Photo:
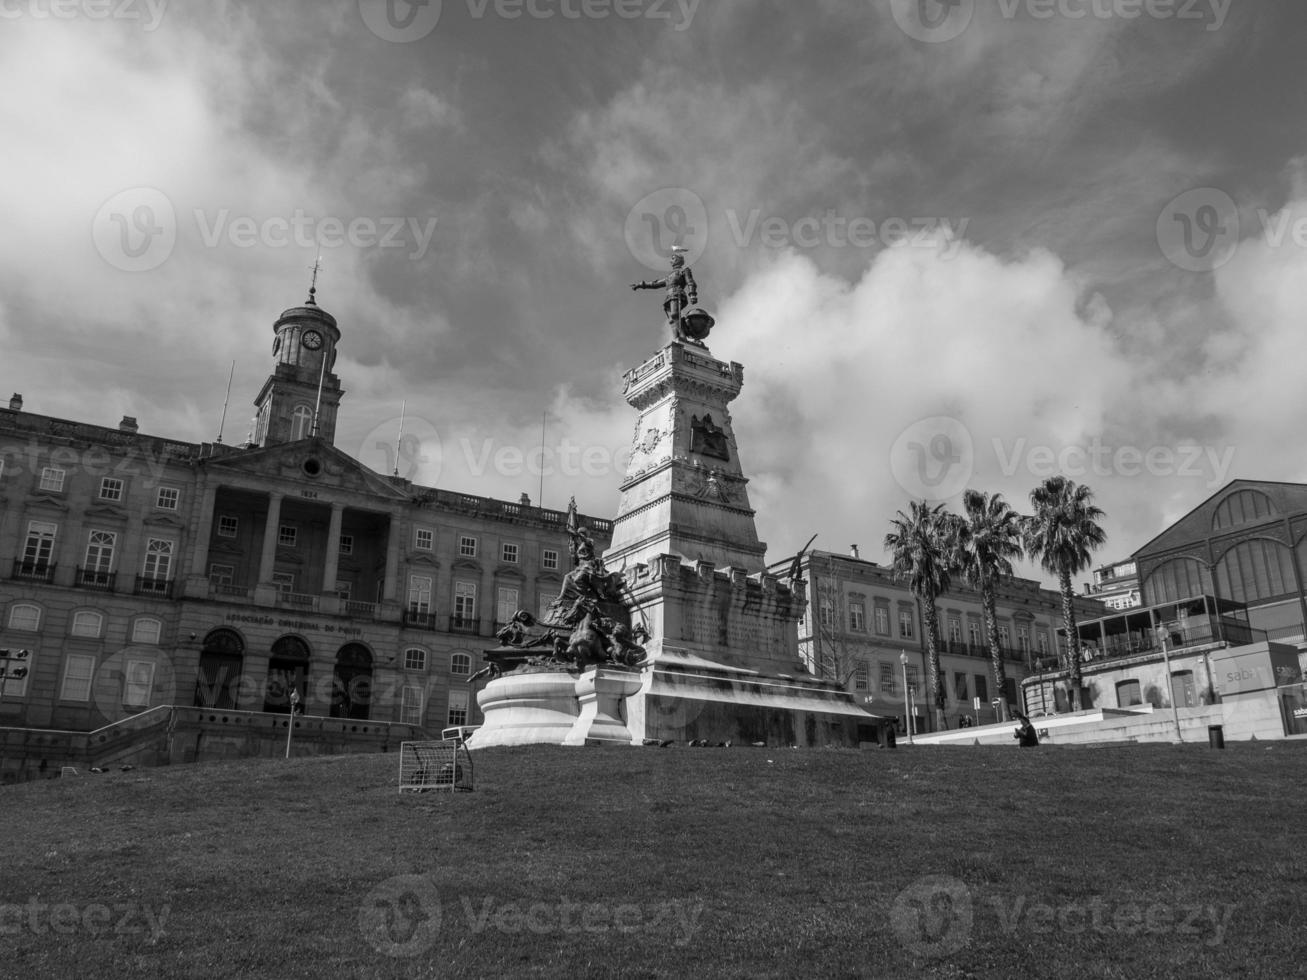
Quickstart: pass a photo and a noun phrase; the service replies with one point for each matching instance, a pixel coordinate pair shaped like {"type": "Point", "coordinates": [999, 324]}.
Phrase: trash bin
{"type": "Point", "coordinates": [1216, 736]}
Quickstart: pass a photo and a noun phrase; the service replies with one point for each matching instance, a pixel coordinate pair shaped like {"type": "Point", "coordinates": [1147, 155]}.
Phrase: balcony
{"type": "Point", "coordinates": [229, 590]}
{"type": "Point", "coordinates": [151, 586]}
{"type": "Point", "coordinates": [299, 600]}
{"type": "Point", "coordinates": [359, 610]}
{"type": "Point", "coordinates": [94, 578]}
{"type": "Point", "coordinates": [33, 571]}
{"type": "Point", "coordinates": [461, 624]}
{"type": "Point", "coordinates": [420, 620]}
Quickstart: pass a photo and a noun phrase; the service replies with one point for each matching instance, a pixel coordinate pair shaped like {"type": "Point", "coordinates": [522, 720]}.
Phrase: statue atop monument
{"type": "Point", "coordinates": [689, 323]}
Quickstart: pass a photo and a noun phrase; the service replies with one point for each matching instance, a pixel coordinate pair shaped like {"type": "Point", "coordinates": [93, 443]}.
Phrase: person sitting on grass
{"type": "Point", "coordinates": [1025, 733]}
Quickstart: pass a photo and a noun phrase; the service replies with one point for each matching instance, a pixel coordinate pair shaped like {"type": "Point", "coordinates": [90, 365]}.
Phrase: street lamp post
{"type": "Point", "coordinates": [290, 721]}
{"type": "Point", "coordinates": [907, 695]}
{"type": "Point", "coordinates": [1170, 687]}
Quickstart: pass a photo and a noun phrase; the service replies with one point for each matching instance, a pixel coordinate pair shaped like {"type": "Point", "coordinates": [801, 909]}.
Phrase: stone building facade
{"type": "Point", "coordinates": [141, 571]}
{"type": "Point", "coordinates": [861, 620]}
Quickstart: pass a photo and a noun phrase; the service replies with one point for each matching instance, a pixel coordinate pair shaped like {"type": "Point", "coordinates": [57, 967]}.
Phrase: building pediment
{"type": "Point", "coordinates": [163, 520]}
{"type": "Point", "coordinates": [310, 464]}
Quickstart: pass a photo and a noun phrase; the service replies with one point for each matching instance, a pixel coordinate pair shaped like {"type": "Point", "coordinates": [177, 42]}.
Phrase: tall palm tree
{"type": "Point", "coordinates": [1062, 532]}
{"type": "Point", "coordinates": [920, 545]}
{"type": "Point", "coordinates": [989, 538]}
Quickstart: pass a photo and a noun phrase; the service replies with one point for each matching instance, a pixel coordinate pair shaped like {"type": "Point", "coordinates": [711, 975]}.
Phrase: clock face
{"type": "Point", "coordinates": [312, 339]}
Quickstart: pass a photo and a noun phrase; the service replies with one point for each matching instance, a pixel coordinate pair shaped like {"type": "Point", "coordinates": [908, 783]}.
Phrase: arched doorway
{"type": "Point", "coordinates": [217, 682]}
{"type": "Point", "coordinates": [288, 667]}
{"type": "Point", "coordinates": [351, 682]}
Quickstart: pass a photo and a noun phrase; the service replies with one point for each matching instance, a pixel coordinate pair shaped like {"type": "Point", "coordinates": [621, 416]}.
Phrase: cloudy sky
{"type": "Point", "coordinates": [954, 244]}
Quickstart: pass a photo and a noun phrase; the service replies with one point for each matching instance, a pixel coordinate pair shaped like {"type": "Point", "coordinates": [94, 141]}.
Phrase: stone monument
{"type": "Point", "coordinates": [714, 655]}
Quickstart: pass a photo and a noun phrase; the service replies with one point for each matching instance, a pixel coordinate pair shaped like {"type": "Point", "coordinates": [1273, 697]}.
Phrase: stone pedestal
{"type": "Point", "coordinates": [556, 707]}
{"type": "Point", "coordinates": [601, 695]}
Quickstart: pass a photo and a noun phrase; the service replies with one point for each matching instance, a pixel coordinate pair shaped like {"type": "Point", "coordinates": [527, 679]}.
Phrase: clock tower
{"type": "Point", "coordinates": [302, 395]}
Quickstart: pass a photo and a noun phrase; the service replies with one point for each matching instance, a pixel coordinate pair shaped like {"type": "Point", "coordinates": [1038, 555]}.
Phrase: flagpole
{"type": "Point", "coordinates": [399, 439]}
{"type": "Point", "coordinates": [226, 399]}
{"type": "Point", "coordinates": [540, 500]}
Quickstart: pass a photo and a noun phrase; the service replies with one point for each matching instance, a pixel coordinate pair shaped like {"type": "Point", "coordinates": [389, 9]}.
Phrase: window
{"type": "Point", "coordinates": [1023, 640]}
{"type": "Point", "coordinates": [954, 630]}
{"type": "Point", "coordinates": [415, 658]}
{"type": "Point", "coordinates": [146, 630]}
{"type": "Point", "coordinates": [465, 602]}
{"type": "Point", "coordinates": [858, 617]}
{"type": "Point", "coordinates": [111, 489]}
{"type": "Point", "coordinates": [460, 663]}
{"type": "Point", "coordinates": [861, 677]}
{"type": "Point", "coordinates": [457, 708]}
{"type": "Point", "coordinates": [79, 670]}
{"type": "Point", "coordinates": [549, 558]}
{"type": "Point", "coordinates": [39, 547]}
{"type": "Point", "coordinates": [24, 616]}
{"type": "Point", "coordinates": [508, 553]}
{"type": "Point", "coordinates": [507, 603]}
{"type": "Point", "coordinates": [419, 594]}
{"type": "Point", "coordinates": [827, 613]}
{"type": "Point", "coordinates": [287, 535]}
{"type": "Point", "coordinates": [467, 546]}
{"type": "Point", "coordinates": [424, 539]}
{"type": "Point", "coordinates": [973, 631]}
{"type": "Point", "coordinates": [410, 705]}
{"type": "Point", "coordinates": [1004, 638]}
{"type": "Point", "coordinates": [168, 498]}
{"type": "Point", "coordinates": [52, 479]}
{"type": "Point", "coordinates": [301, 423]}
{"type": "Point", "coordinates": [882, 620]}
{"type": "Point", "coordinates": [960, 686]}
{"type": "Point", "coordinates": [87, 624]}
{"type": "Point", "coordinates": [887, 679]}
{"type": "Point", "coordinates": [347, 544]}
{"type": "Point", "coordinates": [222, 574]}
{"type": "Point", "coordinates": [138, 681]}
{"type": "Point", "coordinates": [905, 624]}
{"type": "Point", "coordinates": [227, 525]}
{"type": "Point", "coordinates": [285, 583]}
{"type": "Point", "coordinates": [16, 687]}
{"type": "Point", "coordinates": [914, 679]}
{"type": "Point", "coordinates": [99, 551]}
{"type": "Point", "coordinates": [982, 688]}
{"type": "Point", "coordinates": [344, 590]}
{"type": "Point", "coordinates": [1041, 642]}
{"type": "Point", "coordinates": [1128, 694]}
{"type": "Point", "coordinates": [158, 559]}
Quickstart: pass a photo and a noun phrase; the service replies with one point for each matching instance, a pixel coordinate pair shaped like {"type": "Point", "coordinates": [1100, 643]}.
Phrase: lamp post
{"type": "Point", "coordinates": [1170, 687]}
{"type": "Point", "coordinates": [290, 721]}
{"type": "Point", "coordinates": [907, 695]}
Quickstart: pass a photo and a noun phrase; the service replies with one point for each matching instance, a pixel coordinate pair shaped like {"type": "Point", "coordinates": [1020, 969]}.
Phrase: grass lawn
{"type": "Point", "coordinates": [1125, 861]}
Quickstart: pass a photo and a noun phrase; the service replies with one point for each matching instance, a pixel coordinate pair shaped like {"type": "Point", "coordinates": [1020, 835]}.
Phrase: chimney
{"type": "Point", "coordinates": [128, 424]}
{"type": "Point", "coordinates": [16, 403]}
{"type": "Point", "coordinates": [524, 500]}
{"type": "Point", "coordinates": [853, 551]}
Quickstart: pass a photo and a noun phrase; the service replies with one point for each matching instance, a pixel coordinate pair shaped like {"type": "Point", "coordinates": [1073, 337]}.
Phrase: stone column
{"type": "Point", "coordinates": [332, 565]}
{"type": "Point", "coordinates": [268, 556]}
{"type": "Point", "coordinates": [390, 591]}
{"type": "Point", "coordinates": [197, 572]}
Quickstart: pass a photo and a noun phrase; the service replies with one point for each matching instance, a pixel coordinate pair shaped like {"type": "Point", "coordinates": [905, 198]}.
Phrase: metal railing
{"type": "Point", "coordinates": [94, 578]}
{"type": "Point", "coordinates": [461, 624]}
{"type": "Point", "coordinates": [420, 620]}
{"type": "Point", "coordinates": [149, 585]}
{"type": "Point", "coordinates": [36, 571]}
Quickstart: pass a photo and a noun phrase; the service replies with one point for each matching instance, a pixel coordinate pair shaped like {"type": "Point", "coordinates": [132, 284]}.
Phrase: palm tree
{"type": "Point", "coordinates": [1062, 532]}
{"type": "Point", "coordinates": [989, 538]}
{"type": "Point", "coordinates": [921, 548]}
